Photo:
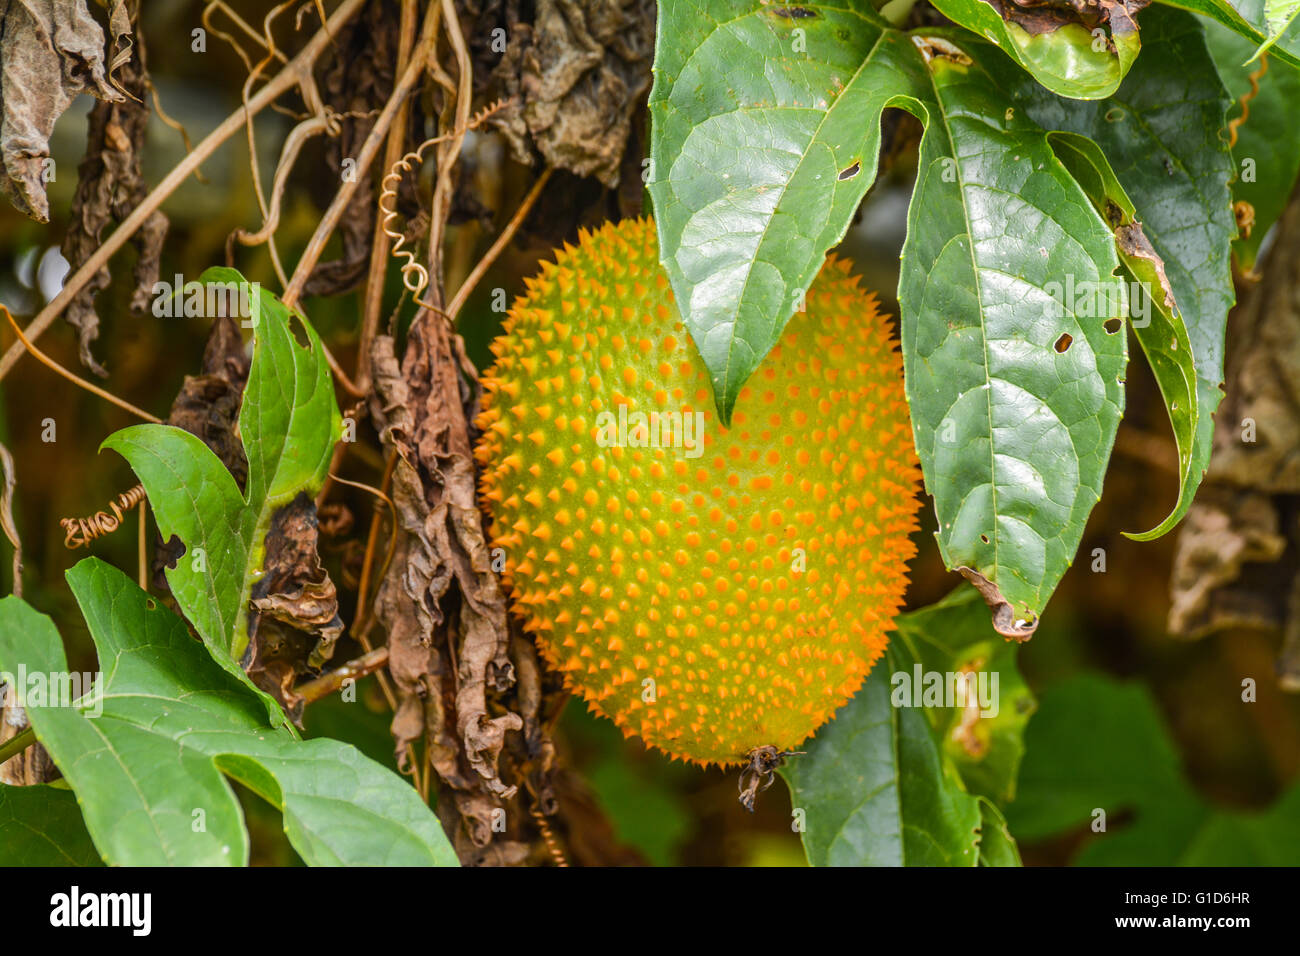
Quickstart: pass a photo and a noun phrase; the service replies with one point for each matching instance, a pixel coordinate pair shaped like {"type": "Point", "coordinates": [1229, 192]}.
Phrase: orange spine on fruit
{"type": "Point", "coordinates": [710, 590]}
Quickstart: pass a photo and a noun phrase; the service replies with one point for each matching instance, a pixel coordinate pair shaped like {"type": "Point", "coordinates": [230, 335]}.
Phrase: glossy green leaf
{"type": "Point", "coordinates": [1279, 15]}
{"type": "Point", "coordinates": [146, 752]}
{"type": "Point", "coordinates": [1097, 744]}
{"type": "Point", "coordinates": [875, 791]}
{"type": "Point", "coordinates": [1160, 135]}
{"type": "Point", "coordinates": [997, 847]}
{"type": "Point", "coordinates": [1013, 430]}
{"type": "Point", "coordinates": [766, 135]}
{"type": "Point", "coordinates": [1249, 19]}
{"type": "Point", "coordinates": [1068, 60]}
{"type": "Point", "coordinates": [886, 783]}
{"type": "Point", "coordinates": [42, 826]}
{"type": "Point", "coordinates": [289, 422]}
{"type": "Point", "coordinates": [1266, 156]}
{"type": "Point", "coordinates": [1155, 318]}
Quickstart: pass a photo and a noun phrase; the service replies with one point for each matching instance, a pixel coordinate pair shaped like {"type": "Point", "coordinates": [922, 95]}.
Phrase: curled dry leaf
{"type": "Point", "coordinates": [50, 50]}
{"type": "Point", "coordinates": [441, 602]}
{"type": "Point", "coordinates": [294, 622]}
{"type": "Point", "coordinates": [577, 75]}
{"type": "Point", "coordinates": [109, 187]}
{"type": "Point", "coordinates": [1036, 17]}
{"type": "Point", "coordinates": [1005, 621]}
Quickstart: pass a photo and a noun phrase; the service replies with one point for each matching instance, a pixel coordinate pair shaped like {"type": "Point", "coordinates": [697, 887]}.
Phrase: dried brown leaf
{"type": "Point", "coordinates": [1005, 621]}
{"type": "Point", "coordinates": [50, 50]}
{"type": "Point", "coordinates": [440, 591]}
{"type": "Point", "coordinates": [1036, 17]}
{"type": "Point", "coordinates": [577, 75]}
{"type": "Point", "coordinates": [110, 186]}
{"type": "Point", "coordinates": [294, 620]}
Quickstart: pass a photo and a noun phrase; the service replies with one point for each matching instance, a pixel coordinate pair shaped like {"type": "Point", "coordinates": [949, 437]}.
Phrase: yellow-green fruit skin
{"type": "Point", "coordinates": [710, 599]}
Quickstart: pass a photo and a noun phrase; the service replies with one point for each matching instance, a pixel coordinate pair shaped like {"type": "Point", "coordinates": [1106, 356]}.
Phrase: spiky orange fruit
{"type": "Point", "coordinates": [721, 591]}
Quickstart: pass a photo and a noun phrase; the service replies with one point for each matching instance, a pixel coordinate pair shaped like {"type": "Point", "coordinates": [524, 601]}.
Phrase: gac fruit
{"type": "Point", "coordinates": [712, 590]}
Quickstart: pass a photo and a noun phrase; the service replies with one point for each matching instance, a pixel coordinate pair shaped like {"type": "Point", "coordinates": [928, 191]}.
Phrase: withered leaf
{"type": "Point", "coordinates": [1005, 621]}
{"type": "Point", "coordinates": [50, 50]}
{"type": "Point", "coordinates": [109, 188]}
{"type": "Point", "coordinates": [357, 83]}
{"type": "Point", "coordinates": [440, 591]}
{"type": "Point", "coordinates": [1037, 17]}
{"type": "Point", "coordinates": [576, 75]}
{"type": "Point", "coordinates": [294, 622]}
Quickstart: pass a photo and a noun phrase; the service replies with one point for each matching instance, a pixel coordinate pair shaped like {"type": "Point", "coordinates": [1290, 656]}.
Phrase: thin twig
{"type": "Point", "coordinates": [508, 233]}
{"type": "Point", "coordinates": [327, 684]}
{"type": "Point", "coordinates": [239, 21]}
{"type": "Point", "coordinates": [374, 294]}
{"type": "Point", "coordinates": [48, 362]}
{"type": "Point", "coordinates": [316, 246]}
{"type": "Point", "coordinates": [293, 143]}
{"type": "Point", "coordinates": [449, 152]}
{"type": "Point", "coordinates": [7, 517]}
{"type": "Point", "coordinates": [142, 545]}
{"type": "Point", "coordinates": [372, 540]}
{"type": "Point", "coordinates": [294, 73]}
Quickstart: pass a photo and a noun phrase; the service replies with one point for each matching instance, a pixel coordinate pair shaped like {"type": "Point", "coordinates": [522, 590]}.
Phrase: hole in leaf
{"type": "Point", "coordinates": [173, 550]}
{"type": "Point", "coordinates": [299, 331]}
{"type": "Point", "coordinates": [1112, 326]}
{"type": "Point", "coordinates": [1063, 342]}
{"type": "Point", "coordinates": [151, 604]}
{"type": "Point", "coordinates": [984, 538]}
{"type": "Point", "coordinates": [851, 171]}
{"type": "Point", "coordinates": [794, 13]}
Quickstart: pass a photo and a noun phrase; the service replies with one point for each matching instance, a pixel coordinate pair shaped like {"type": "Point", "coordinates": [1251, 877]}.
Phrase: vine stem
{"type": "Point", "coordinates": [327, 684]}
{"type": "Point", "coordinates": [501, 242]}
{"type": "Point", "coordinates": [17, 744]}
{"type": "Point", "coordinates": [297, 71]}
{"type": "Point", "coordinates": [374, 294]}
{"type": "Point", "coordinates": [378, 132]}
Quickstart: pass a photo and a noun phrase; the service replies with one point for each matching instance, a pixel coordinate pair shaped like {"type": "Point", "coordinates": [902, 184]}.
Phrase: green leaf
{"type": "Point", "coordinates": [953, 636]}
{"type": "Point", "coordinates": [146, 751]}
{"type": "Point", "coordinates": [1266, 156]}
{"type": "Point", "coordinates": [1161, 331]}
{"type": "Point", "coordinates": [289, 422]}
{"type": "Point", "coordinates": [887, 784]}
{"type": "Point", "coordinates": [875, 791]}
{"type": "Point", "coordinates": [1099, 744]}
{"type": "Point", "coordinates": [997, 847]}
{"type": "Point", "coordinates": [1249, 19]}
{"type": "Point", "coordinates": [766, 134]}
{"type": "Point", "coordinates": [42, 826]}
{"type": "Point", "coordinates": [1063, 59]}
{"type": "Point", "coordinates": [1161, 135]}
{"type": "Point", "coordinates": [1013, 432]}
{"type": "Point", "coordinates": [1279, 15]}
